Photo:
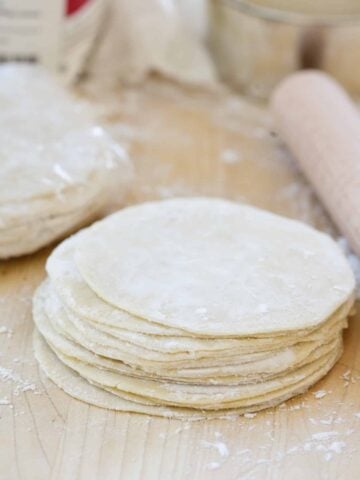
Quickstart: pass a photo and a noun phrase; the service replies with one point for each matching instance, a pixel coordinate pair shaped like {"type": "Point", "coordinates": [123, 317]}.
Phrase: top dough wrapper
{"type": "Point", "coordinates": [213, 267]}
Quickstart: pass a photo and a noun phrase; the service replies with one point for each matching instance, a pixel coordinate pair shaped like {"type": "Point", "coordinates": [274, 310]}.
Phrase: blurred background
{"type": "Point", "coordinates": [183, 85]}
{"type": "Point", "coordinates": [248, 44]}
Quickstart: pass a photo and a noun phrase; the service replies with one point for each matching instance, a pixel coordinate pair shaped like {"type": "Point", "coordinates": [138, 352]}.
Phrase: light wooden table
{"type": "Point", "coordinates": [182, 144]}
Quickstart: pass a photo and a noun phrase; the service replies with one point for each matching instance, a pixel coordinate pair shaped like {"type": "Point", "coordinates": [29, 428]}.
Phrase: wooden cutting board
{"type": "Point", "coordinates": [182, 143]}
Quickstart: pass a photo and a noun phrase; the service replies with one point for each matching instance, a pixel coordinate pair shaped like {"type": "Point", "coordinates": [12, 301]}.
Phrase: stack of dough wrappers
{"type": "Point", "coordinates": [58, 168]}
{"type": "Point", "coordinates": [192, 308]}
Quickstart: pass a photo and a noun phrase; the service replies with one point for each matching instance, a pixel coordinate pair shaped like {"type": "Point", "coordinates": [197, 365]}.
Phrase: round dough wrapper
{"type": "Point", "coordinates": [77, 297]}
{"type": "Point", "coordinates": [69, 165]}
{"type": "Point", "coordinates": [144, 361]}
{"type": "Point", "coordinates": [76, 294]}
{"type": "Point", "coordinates": [276, 364]}
{"type": "Point", "coordinates": [38, 233]}
{"type": "Point", "coordinates": [62, 146]}
{"type": "Point", "coordinates": [197, 396]}
{"type": "Point", "coordinates": [49, 317]}
{"type": "Point", "coordinates": [213, 267]}
{"type": "Point", "coordinates": [79, 388]}
{"type": "Point", "coordinates": [177, 348]}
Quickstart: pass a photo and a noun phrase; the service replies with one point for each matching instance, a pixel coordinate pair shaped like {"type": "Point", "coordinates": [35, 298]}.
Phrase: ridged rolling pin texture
{"type": "Point", "coordinates": [321, 126]}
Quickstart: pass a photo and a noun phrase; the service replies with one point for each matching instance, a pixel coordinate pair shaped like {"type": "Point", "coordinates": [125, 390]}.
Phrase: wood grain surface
{"type": "Point", "coordinates": [182, 143]}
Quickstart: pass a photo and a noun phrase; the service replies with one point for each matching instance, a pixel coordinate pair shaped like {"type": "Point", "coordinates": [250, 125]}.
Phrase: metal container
{"type": "Point", "coordinates": [257, 43]}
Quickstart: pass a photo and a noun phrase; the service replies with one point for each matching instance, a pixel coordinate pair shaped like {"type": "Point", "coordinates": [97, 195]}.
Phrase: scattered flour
{"type": "Point", "coordinates": [62, 173]}
{"type": "Point", "coordinates": [349, 378]}
{"type": "Point", "coordinates": [6, 330]}
{"type": "Point", "coordinates": [249, 415]}
{"type": "Point", "coordinates": [21, 385]}
{"type": "Point", "coordinates": [324, 443]}
{"type": "Point", "coordinates": [183, 428]}
{"type": "Point", "coordinates": [320, 394]}
{"type": "Point", "coordinates": [221, 447]}
{"type": "Point", "coordinates": [328, 436]}
{"type": "Point", "coordinates": [230, 156]}
{"type": "Point", "coordinates": [324, 435]}
{"type": "Point", "coordinates": [213, 465]}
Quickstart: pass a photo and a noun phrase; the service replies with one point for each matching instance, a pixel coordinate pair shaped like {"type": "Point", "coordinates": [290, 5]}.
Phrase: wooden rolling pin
{"type": "Point", "coordinates": [321, 126]}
